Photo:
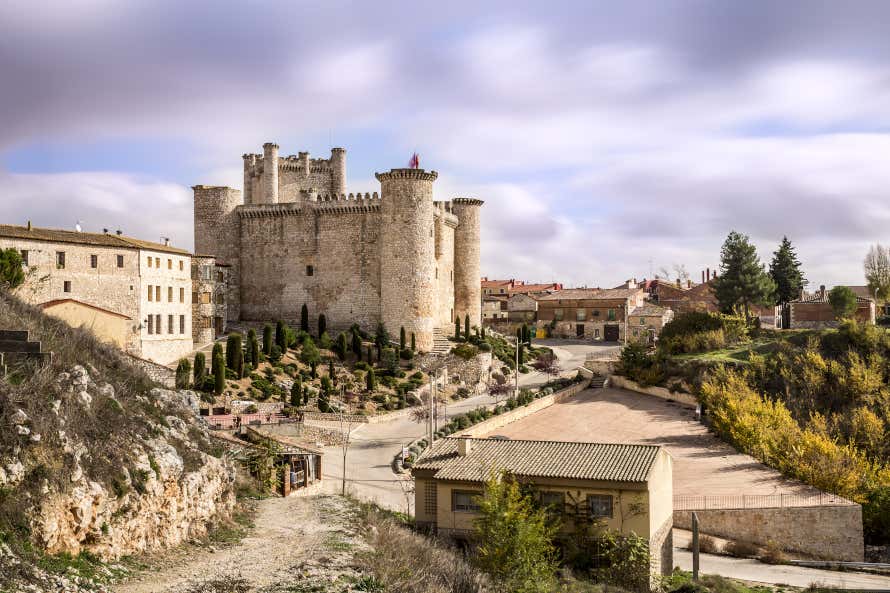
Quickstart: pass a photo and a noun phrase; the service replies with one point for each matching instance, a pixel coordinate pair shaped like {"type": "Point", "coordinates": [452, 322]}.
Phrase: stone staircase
{"type": "Point", "coordinates": [16, 348]}
{"type": "Point", "coordinates": [441, 344]}
{"type": "Point", "coordinates": [598, 382]}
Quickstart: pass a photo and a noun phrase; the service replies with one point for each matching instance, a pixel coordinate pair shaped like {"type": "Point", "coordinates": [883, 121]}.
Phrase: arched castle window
{"type": "Point", "coordinates": [310, 271]}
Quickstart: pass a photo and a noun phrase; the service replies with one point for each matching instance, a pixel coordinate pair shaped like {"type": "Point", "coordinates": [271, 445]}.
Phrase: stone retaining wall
{"type": "Point", "coordinates": [681, 397]}
{"type": "Point", "coordinates": [521, 412]}
{"type": "Point", "coordinates": [825, 532]}
{"type": "Point", "coordinates": [156, 372]}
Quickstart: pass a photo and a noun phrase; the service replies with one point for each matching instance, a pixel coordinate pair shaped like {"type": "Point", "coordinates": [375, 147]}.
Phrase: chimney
{"type": "Point", "coordinates": [688, 283]}
{"type": "Point", "coordinates": [822, 291]}
{"type": "Point", "coordinates": [464, 446]}
{"type": "Point", "coordinates": [709, 274]}
{"type": "Point", "coordinates": [29, 225]}
{"type": "Point", "coordinates": [166, 241]}
{"type": "Point", "coordinates": [702, 276]}
{"type": "Point", "coordinates": [118, 232]}
{"type": "Point", "coordinates": [105, 231]}
{"type": "Point", "coordinates": [679, 284]}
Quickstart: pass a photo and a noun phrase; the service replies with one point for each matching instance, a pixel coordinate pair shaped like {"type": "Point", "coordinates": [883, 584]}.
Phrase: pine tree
{"type": "Point", "coordinates": [296, 392]}
{"type": "Point", "coordinates": [200, 369]}
{"type": "Point", "coordinates": [743, 281]}
{"type": "Point", "coordinates": [267, 339]}
{"type": "Point", "coordinates": [402, 337]}
{"type": "Point", "coordinates": [304, 318]}
{"type": "Point", "coordinates": [322, 324]}
{"type": "Point", "coordinates": [785, 273]}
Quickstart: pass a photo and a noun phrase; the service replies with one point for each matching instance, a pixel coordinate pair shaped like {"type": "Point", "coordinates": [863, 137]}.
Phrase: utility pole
{"type": "Point", "coordinates": [346, 428]}
{"type": "Point", "coordinates": [695, 551]}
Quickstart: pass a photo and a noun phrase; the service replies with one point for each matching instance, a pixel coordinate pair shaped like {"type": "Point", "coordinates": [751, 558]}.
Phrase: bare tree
{"type": "Point", "coordinates": [877, 271]}
{"type": "Point", "coordinates": [547, 363]}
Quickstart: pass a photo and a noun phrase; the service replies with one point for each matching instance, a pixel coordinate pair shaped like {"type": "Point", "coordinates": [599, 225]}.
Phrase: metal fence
{"type": "Point", "coordinates": [757, 501]}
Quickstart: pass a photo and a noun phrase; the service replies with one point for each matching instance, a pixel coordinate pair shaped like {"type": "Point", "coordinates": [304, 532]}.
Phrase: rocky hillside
{"type": "Point", "coordinates": [96, 461]}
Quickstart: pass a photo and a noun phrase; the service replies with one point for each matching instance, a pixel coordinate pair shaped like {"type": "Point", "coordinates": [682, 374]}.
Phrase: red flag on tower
{"type": "Point", "coordinates": [414, 163]}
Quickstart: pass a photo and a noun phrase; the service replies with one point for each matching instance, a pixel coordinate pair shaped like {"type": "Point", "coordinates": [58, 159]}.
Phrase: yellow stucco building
{"type": "Point", "coordinates": [625, 488]}
{"type": "Point", "coordinates": [108, 326]}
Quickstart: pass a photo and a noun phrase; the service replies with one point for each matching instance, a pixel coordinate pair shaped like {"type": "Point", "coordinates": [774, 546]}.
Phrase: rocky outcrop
{"type": "Point", "coordinates": [167, 490]}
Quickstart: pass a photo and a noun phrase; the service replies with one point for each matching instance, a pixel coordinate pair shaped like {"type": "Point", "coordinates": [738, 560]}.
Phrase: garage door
{"type": "Point", "coordinates": [610, 333]}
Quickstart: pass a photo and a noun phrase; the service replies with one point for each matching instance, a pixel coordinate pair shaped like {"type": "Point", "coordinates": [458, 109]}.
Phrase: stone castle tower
{"type": "Point", "coordinates": [294, 236]}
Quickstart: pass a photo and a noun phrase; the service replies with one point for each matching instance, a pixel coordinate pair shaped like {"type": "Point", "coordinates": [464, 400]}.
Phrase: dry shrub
{"type": "Point", "coordinates": [709, 545]}
{"type": "Point", "coordinates": [741, 549]}
{"type": "Point", "coordinates": [773, 554]}
{"type": "Point", "coordinates": [406, 562]}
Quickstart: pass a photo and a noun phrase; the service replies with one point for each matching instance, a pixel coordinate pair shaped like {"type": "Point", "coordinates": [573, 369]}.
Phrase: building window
{"type": "Point", "coordinates": [66, 286]}
{"type": "Point", "coordinates": [596, 312]}
{"type": "Point", "coordinates": [205, 298]}
{"type": "Point", "coordinates": [158, 263]}
{"type": "Point", "coordinates": [636, 332]}
{"type": "Point", "coordinates": [157, 324]}
{"type": "Point", "coordinates": [463, 501]}
{"type": "Point", "coordinates": [169, 294]}
{"type": "Point", "coordinates": [611, 315]}
{"type": "Point", "coordinates": [150, 294]}
{"type": "Point", "coordinates": [60, 260]}
{"type": "Point", "coordinates": [580, 315]}
{"type": "Point", "coordinates": [158, 293]}
{"type": "Point", "coordinates": [557, 314]}
{"type": "Point", "coordinates": [149, 265]}
{"type": "Point", "coordinates": [169, 324]}
{"type": "Point", "coordinates": [600, 505]}
{"type": "Point", "coordinates": [169, 264]}
{"type": "Point", "coordinates": [181, 295]}
{"type": "Point", "coordinates": [642, 321]}
{"type": "Point", "coordinates": [194, 298]}
{"type": "Point", "coordinates": [180, 265]}
{"type": "Point", "coordinates": [220, 298]}
{"type": "Point", "coordinates": [206, 272]}
{"type": "Point", "coordinates": [555, 500]}
{"type": "Point", "coordinates": [94, 261]}
{"type": "Point", "coordinates": [151, 324]}
{"type": "Point", "coordinates": [310, 271]}
{"type": "Point", "coordinates": [120, 261]}
{"type": "Point", "coordinates": [25, 257]}
{"type": "Point", "coordinates": [182, 324]}
{"type": "Point", "coordinates": [596, 334]}
{"type": "Point", "coordinates": [430, 499]}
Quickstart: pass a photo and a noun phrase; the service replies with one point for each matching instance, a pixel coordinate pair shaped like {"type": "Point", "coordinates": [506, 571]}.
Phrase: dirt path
{"type": "Point", "coordinates": [296, 543]}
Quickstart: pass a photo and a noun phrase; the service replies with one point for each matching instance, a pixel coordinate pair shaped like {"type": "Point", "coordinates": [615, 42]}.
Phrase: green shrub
{"type": "Point", "coordinates": [183, 372]}
{"type": "Point", "coordinates": [465, 351]}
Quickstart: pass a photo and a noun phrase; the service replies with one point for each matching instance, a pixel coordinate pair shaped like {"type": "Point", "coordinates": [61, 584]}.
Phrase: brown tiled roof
{"type": "Point", "coordinates": [99, 239]}
{"type": "Point", "coordinates": [524, 288]}
{"type": "Point", "coordinates": [579, 294]}
{"type": "Point", "coordinates": [819, 297]}
{"type": "Point", "coordinates": [496, 283]}
{"type": "Point", "coordinates": [648, 310]}
{"type": "Point", "coordinates": [53, 303]}
{"type": "Point", "coordinates": [541, 459]}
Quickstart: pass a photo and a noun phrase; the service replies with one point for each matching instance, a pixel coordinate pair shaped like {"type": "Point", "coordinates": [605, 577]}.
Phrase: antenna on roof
{"type": "Point", "coordinates": [166, 241]}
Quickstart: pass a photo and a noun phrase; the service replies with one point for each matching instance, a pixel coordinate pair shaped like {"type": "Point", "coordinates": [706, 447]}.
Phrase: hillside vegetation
{"type": "Point", "coordinates": [814, 405]}
{"type": "Point", "coordinates": [97, 461]}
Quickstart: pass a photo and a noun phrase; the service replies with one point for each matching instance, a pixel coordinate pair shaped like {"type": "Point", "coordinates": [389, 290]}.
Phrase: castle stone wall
{"type": "Point", "coordinates": [343, 250]}
{"type": "Point", "coordinates": [407, 253]}
{"type": "Point", "coordinates": [467, 237]}
{"type": "Point", "coordinates": [444, 270]}
{"type": "Point", "coordinates": [218, 233]}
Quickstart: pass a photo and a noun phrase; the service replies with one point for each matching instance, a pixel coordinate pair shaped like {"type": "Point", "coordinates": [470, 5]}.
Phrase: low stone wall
{"type": "Point", "coordinates": [156, 372]}
{"type": "Point", "coordinates": [521, 412]}
{"type": "Point", "coordinates": [473, 373]}
{"type": "Point", "coordinates": [824, 532]}
{"type": "Point", "coordinates": [681, 397]}
{"type": "Point", "coordinates": [600, 367]}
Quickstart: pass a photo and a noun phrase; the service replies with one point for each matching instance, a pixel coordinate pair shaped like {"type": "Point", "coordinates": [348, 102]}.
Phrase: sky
{"type": "Point", "coordinates": [608, 140]}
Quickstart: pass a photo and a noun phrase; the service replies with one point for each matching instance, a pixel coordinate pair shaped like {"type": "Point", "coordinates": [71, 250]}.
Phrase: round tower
{"type": "Point", "coordinates": [338, 171]}
{"type": "Point", "coordinates": [249, 162]}
{"type": "Point", "coordinates": [270, 174]}
{"type": "Point", "coordinates": [218, 233]}
{"type": "Point", "coordinates": [407, 259]}
{"type": "Point", "coordinates": [467, 277]}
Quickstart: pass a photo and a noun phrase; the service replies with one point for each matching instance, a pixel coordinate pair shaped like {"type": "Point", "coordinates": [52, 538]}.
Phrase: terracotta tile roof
{"type": "Point", "coordinates": [53, 303]}
{"type": "Point", "coordinates": [819, 297]}
{"type": "Point", "coordinates": [497, 283]}
{"type": "Point", "coordinates": [525, 288]}
{"type": "Point", "coordinates": [99, 239]}
{"type": "Point", "coordinates": [541, 459]}
{"type": "Point", "coordinates": [578, 294]}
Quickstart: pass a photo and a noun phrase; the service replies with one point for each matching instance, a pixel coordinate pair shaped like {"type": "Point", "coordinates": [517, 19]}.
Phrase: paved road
{"type": "Point", "coordinates": [369, 475]}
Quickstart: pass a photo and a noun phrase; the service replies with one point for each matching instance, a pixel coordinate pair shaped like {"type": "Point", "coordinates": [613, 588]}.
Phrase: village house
{"type": "Point", "coordinates": [815, 312]}
{"type": "Point", "coordinates": [496, 287]}
{"type": "Point", "coordinates": [589, 313]}
{"type": "Point", "coordinates": [522, 308]}
{"type": "Point", "coordinates": [209, 309]}
{"type": "Point", "coordinates": [494, 308]}
{"type": "Point", "coordinates": [619, 487]}
{"type": "Point", "coordinates": [132, 293]}
{"type": "Point", "coordinates": [645, 322]}
{"type": "Point", "coordinates": [513, 286]}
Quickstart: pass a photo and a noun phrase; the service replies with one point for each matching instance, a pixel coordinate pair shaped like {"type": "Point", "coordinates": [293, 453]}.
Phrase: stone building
{"type": "Point", "coordinates": [94, 279]}
{"type": "Point", "coordinates": [589, 313]}
{"type": "Point", "coordinates": [209, 293]}
{"type": "Point", "coordinates": [293, 237]}
{"type": "Point", "coordinates": [815, 312]}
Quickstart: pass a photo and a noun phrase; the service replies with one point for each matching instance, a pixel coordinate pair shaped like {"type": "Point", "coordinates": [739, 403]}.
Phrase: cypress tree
{"type": "Point", "coordinates": [304, 318]}
{"type": "Point", "coordinates": [381, 337]}
{"type": "Point", "coordinates": [217, 350]}
{"type": "Point", "coordinates": [219, 372]}
{"type": "Point", "coordinates": [785, 273]}
{"type": "Point", "coordinates": [200, 369]}
{"type": "Point", "coordinates": [281, 336]}
{"type": "Point", "coordinates": [233, 346]}
{"type": "Point", "coordinates": [371, 380]}
{"type": "Point", "coordinates": [331, 369]}
{"type": "Point", "coordinates": [322, 324]}
{"type": "Point", "coordinates": [183, 372]}
{"type": "Point", "coordinates": [457, 327]}
{"type": "Point", "coordinates": [296, 392]}
{"type": "Point", "coordinates": [369, 358]}
{"type": "Point", "coordinates": [253, 348]}
{"type": "Point", "coordinates": [305, 395]}
{"type": "Point", "coordinates": [743, 281]}
{"type": "Point", "coordinates": [342, 346]}
{"type": "Point", "coordinates": [267, 339]}
{"type": "Point", "coordinates": [402, 339]}
{"type": "Point", "coordinates": [357, 345]}
{"type": "Point", "coordinates": [413, 343]}
{"type": "Point", "coordinates": [467, 326]}
{"type": "Point", "coordinates": [482, 332]}
{"type": "Point", "coordinates": [239, 359]}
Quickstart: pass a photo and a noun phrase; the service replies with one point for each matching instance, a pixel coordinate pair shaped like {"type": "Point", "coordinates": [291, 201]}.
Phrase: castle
{"type": "Point", "coordinates": [295, 237]}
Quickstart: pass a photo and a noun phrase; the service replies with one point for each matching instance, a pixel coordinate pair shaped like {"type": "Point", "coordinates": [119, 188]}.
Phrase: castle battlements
{"type": "Point", "coordinates": [295, 236]}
